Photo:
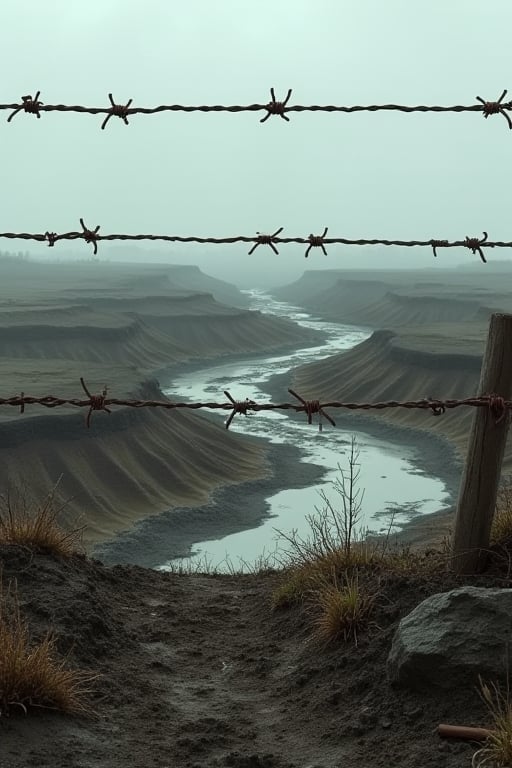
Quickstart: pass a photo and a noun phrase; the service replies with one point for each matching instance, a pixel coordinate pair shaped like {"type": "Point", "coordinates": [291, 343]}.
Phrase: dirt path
{"type": "Point", "coordinates": [198, 672]}
{"type": "Point", "coordinates": [226, 692]}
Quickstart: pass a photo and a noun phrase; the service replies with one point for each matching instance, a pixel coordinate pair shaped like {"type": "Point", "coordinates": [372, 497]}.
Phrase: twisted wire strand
{"type": "Point", "coordinates": [93, 236]}
{"type": "Point", "coordinates": [33, 105]}
{"type": "Point", "coordinates": [497, 405]}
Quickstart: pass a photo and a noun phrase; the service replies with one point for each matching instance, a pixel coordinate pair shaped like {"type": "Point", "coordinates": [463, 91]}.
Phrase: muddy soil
{"type": "Point", "coordinates": [198, 670]}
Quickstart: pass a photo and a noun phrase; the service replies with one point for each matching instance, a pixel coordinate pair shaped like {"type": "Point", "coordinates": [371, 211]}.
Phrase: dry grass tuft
{"type": "Point", "coordinates": [306, 574]}
{"type": "Point", "coordinates": [32, 675]}
{"type": "Point", "coordinates": [501, 531]}
{"type": "Point", "coordinates": [297, 584]}
{"type": "Point", "coordinates": [344, 610]}
{"type": "Point", "coordinates": [36, 525]}
{"type": "Point", "coordinates": [498, 749]}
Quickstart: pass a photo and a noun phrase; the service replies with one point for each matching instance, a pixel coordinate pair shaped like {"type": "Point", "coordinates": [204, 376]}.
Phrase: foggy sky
{"type": "Point", "coordinates": [385, 175]}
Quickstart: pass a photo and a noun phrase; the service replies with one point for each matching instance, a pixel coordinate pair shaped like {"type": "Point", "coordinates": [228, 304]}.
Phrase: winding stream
{"type": "Point", "coordinates": [391, 483]}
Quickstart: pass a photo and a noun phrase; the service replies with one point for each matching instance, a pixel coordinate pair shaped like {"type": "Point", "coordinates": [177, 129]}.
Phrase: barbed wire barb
{"type": "Point", "coordinates": [316, 241]}
{"type": "Point", "coordinates": [96, 402]}
{"type": "Point", "coordinates": [436, 406]}
{"type": "Point", "coordinates": [497, 107]}
{"type": "Point", "coordinates": [438, 244]}
{"type": "Point", "coordinates": [29, 105]}
{"type": "Point", "coordinates": [475, 245]}
{"type": "Point", "coordinates": [311, 407]}
{"type": "Point", "coordinates": [117, 110]}
{"type": "Point", "coordinates": [277, 107]}
{"type": "Point", "coordinates": [90, 235]}
{"type": "Point", "coordinates": [51, 237]}
{"type": "Point", "coordinates": [497, 406]}
{"type": "Point", "coordinates": [266, 240]}
{"type": "Point", "coordinates": [239, 406]}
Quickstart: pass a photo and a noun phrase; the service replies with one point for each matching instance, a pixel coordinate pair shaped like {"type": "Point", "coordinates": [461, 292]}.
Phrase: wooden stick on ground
{"type": "Point", "coordinates": [462, 732]}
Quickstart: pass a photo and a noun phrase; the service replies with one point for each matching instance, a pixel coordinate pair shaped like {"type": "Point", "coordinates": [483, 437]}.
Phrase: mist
{"type": "Point", "coordinates": [382, 175]}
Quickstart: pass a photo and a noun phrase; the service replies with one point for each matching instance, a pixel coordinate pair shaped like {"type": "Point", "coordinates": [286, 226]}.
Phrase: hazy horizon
{"type": "Point", "coordinates": [383, 175]}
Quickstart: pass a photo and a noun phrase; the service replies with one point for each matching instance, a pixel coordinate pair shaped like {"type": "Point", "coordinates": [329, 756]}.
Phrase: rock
{"type": "Point", "coordinates": [367, 717]}
{"type": "Point", "coordinates": [451, 638]}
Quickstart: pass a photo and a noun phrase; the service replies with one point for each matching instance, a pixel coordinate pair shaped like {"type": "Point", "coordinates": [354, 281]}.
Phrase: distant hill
{"type": "Point", "coordinates": [393, 298]}
{"type": "Point", "coordinates": [191, 277]}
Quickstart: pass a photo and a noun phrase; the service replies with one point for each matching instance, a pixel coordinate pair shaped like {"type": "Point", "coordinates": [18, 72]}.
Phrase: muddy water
{"type": "Point", "coordinates": [391, 483]}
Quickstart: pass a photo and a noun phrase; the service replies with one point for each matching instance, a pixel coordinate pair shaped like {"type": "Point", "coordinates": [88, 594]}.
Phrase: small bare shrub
{"type": "Point", "coordinates": [336, 547]}
{"type": "Point", "coordinates": [335, 542]}
{"type": "Point", "coordinates": [334, 531]}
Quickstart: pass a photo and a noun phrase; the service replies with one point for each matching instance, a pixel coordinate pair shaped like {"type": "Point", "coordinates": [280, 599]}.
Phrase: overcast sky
{"type": "Point", "coordinates": [363, 175]}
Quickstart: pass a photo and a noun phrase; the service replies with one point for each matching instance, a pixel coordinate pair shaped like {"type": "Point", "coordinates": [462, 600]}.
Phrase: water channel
{"type": "Point", "coordinates": [391, 481]}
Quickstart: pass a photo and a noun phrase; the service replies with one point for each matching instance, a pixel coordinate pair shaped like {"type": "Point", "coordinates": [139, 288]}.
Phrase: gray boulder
{"type": "Point", "coordinates": [451, 638]}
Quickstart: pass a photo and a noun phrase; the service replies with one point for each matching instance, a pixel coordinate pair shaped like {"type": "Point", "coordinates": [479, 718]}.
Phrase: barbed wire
{"type": "Point", "coordinates": [474, 244]}
{"type": "Point", "coordinates": [497, 405]}
{"type": "Point", "coordinates": [33, 105]}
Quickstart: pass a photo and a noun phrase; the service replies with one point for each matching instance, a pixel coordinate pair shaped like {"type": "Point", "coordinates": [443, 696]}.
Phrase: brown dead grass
{"type": "Point", "coordinates": [32, 674]}
{"type": "Point", "coordinates": [342, 608]}
{"type": "Point", "coordinates": [501, 530]}
{"type": "Point", "coordinates": [497, 751]}
{"type": "Point", "coordinates": [306, 577]}
{"type": "Point", "coordinates": [36, 525]}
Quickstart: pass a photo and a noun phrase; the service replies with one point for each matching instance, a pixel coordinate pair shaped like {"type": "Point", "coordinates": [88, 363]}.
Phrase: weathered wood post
{"type": "Point", "coordinates": [487, 440]}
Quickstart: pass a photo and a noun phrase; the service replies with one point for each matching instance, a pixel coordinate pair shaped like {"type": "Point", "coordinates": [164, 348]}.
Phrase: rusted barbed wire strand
{"type": "Point", "coordinates": [496, 404]}
{"type": "Point", "coordinates": [272, 108]}
{"type": "Point", "coordinates": [474, 244]}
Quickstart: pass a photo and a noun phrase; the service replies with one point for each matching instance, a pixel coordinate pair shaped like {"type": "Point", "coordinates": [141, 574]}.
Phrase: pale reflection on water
{"type": "Point", "coordinates": [390, 481]}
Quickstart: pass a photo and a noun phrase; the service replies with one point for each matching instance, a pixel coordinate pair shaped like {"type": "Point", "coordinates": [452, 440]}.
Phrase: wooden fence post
{"type": "Point", "coordinates": [487, 440]}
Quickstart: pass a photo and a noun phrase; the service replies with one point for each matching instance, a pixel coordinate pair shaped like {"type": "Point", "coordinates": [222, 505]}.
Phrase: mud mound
{"type": "Point", "coordinates": [118, 326]}
{"type": "Point", "coordinates": [395, 310]}
{"type": "Point", "coordinates": [146, 331]}
{"type": "Point", "coordinates": [231, 332]}
{"type": "Point", "coordinates": [196, 671]}
{"type": "Point", "coordinates": [22, 279]}
{"type": "Point", "coordinates": [309, 284]}
{"type": "Point", "coordinates": [175, 303]}
{"type": "Point", "coordinates": [91, 338]}
{"type": "Point", "coordinates": [74, 597]}
{"type": "Point", "coordinates": [394, 298]}
{"type": "Point", "coordinates": [127, 465]}
{"type": "Point", "coordinates": [391, 367]}
{"type": "Point", "coordinates": [190, 277]}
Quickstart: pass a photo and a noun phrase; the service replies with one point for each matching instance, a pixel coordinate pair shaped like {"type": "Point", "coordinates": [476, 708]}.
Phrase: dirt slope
{"type": "Point", "coordinates": [197, 672]}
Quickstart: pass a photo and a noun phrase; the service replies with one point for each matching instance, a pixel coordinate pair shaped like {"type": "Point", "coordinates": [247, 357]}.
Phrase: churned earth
{"type": "Point", "coordinates": [198, 670]}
